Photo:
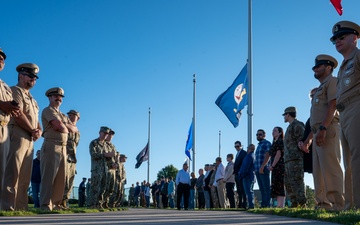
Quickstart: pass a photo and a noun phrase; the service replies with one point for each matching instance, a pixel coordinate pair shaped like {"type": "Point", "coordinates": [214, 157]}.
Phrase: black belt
{"type": "Point", "coordinates": [220, 179]}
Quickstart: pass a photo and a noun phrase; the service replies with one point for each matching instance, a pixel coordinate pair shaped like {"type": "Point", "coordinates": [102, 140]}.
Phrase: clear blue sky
{"type": "Point", "coordinates": [115, 59]}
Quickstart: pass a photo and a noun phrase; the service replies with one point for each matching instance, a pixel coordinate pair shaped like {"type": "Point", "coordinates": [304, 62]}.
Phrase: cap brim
{"type": "Point", "coordinates": [3, 55]}
{"type": "Point", "coordinates": [342, 32]}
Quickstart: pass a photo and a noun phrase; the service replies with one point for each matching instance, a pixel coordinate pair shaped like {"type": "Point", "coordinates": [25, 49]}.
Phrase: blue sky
{"type": "Point", "coordinates": [115, 59]}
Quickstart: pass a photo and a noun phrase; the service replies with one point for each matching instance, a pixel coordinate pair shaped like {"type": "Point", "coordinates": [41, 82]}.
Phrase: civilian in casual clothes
{"type": "Point", "coordinates": [35, 180]}
{"type": "Point", "coordinates": [171, 192]}
{"type": "Point", "coordinates": [153, 193]}
{"type": "Point", "coordinates": [229, 180]}
{"type": "Point", "coordinates": [200, 189]}
{"type": "Point", "coordinates": [277, 167]}
{"type": "Point", "coordinates": [82, 192]}
{"type": "Point", "coordinates": [220, 185]}
{"type": "Point", "coordinates": [193, 181]}
{"type": "Point", "coordinates": [157, 193]}
{"type": "Point", "coordinates": [183, 187]}
{"type": "Point", "coordinates": [147, 194]}
{"type": "Point", "coordinates": [262, 172]}
{"type": "Point", "coordinates": [240, 155]}
{"type": "Point", "coordinates": [164, 193]}
{"type": "Point", "coordinates": [207, 187]}
{"type": "Point", "coordinates": [248, 176]}
{"type": "Point", "coordinates": [137, 194]}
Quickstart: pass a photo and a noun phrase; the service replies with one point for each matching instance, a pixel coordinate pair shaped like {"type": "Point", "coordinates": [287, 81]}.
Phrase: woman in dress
{"type": "Point", "coordinates": [277, 167]}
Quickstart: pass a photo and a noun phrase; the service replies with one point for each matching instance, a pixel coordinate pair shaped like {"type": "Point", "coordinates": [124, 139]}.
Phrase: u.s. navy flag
{"type": "Point", "coordinates": [235, 98]}
{"type": "Point", "coordinates": [189, 142]}
{"type": "Point", "coordinates": [142, 156]}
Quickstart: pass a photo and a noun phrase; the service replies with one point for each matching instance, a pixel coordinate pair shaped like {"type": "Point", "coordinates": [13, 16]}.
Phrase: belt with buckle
{"type": "Point", "coordinates": [3, 123]}
{"type": "Point", "coordinates": [341, 106]}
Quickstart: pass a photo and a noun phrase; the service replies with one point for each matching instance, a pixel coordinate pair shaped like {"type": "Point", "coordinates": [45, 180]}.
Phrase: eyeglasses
{"type": "Point", "coordinates": [340, 38]}
{"type": "Point", "coordinates": [237, 146]}
{"type": "Point", "coordinates": [259, 134]}
{"type": "Point", "coordinates": [312, 95]}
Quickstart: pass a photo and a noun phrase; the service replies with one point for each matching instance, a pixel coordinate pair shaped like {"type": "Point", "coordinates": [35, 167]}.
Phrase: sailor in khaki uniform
{"type": "Point", "coordinates": [7, 108]}
{"type": "Point", "coordinates": [24, 130]}
{"type": "Point", "coordinates": [324, 121]}
{"type": "Point", "coordinates": [53, 151]}
{"type": "Point", "coordinates": [345, 38]}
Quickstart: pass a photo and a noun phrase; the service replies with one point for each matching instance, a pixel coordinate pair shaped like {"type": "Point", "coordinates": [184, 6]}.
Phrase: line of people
{"type": "Point", "coordinates": [20, 128]}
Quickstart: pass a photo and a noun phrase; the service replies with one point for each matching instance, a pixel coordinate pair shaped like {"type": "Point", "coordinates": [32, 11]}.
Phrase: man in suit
{"type": "Point", "coordinates": [240, 155]}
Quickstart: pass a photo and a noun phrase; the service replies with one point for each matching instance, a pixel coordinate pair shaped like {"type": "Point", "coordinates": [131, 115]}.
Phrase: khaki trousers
{"type": "Point", "coordinates": [4, 150]}
{"type": "Point", "coordinates": [18, 170]}
{"type": "Point", "coordinates": [350, 141]}
{"type": "Point", "coordinates": [221, 193]}
{"type": "Point", "coordinates": [52, 166]}
{"type": "Point", "coordinates": [70, 172]}
{"type": "Point", "coordinates": [327, 172]}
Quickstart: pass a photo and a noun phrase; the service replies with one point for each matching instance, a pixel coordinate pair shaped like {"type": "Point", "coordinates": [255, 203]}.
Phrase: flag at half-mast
{"type": "Point", "coordinates": [142, 156]}
{"type": "Point", "coordinates": [189, 142]}
{"type": "Point", "coordinates": [235, 98]}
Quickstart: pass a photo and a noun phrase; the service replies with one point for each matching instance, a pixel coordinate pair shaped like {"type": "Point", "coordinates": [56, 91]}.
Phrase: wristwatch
{"type": "Point", "coordinates": [321, 127]}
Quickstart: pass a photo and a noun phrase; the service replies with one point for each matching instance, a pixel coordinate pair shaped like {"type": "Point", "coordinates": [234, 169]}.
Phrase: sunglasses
{"type": "Point", "coordinates": [237, 146]}
{"type": "Point", "coordinates": [259, 134]}
{"type": "Point", "coordinates": [342, 37]}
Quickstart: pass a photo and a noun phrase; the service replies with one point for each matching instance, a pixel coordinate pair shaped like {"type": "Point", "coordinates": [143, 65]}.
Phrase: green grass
{"type": "Point", "coordinates": [73, 209]}
{"type": "Point", "coordinates": [350, 217]}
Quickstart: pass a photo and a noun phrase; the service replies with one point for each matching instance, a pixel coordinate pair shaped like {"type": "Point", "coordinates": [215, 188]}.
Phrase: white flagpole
{"type": "Point", "coordinates": [250, 103]}
{"type": "Point", "coordinates": [148, 168]}
{"type": "Point", "coordinates": [193, 126]}
{"type": "Point", "coordinates": [219, 143]}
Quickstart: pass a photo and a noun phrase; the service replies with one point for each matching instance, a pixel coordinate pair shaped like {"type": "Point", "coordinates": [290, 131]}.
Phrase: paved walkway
{"type": "Point", "coordinates": [158, 216]}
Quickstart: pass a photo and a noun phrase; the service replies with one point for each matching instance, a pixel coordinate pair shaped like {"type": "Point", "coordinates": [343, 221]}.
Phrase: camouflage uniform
{"type": "Point", "coordinates": [98, 172]}
{"type": "Point", "coordinates": [72, 143]}
{"type": "Point", "coordinates": [110, 174]}
{"type": "Point", "coordinates": [294, 169]}
{"type": "Point", "coordinates": [122, 182]}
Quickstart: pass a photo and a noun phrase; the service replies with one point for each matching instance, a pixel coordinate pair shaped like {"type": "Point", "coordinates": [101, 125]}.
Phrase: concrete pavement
{"type": "Point", "coordinates": [159, 216]}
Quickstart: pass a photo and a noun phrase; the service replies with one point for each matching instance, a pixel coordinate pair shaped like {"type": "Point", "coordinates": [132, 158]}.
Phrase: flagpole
{"type": "Point", "coordinates": [219, 143]}
{"type": "Point", "coordinates": [193, 126]}
{"type": "Point", "coordinates": [148, 164]}
{"type": "Point", "coordinates": [250, 102]}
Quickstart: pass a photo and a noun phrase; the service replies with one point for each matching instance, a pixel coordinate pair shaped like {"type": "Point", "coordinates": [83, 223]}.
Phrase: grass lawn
{"type": "Point", "coordinates": [350, 217]}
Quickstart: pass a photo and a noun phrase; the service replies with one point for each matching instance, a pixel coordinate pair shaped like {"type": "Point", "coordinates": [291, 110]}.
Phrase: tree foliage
{"type": "Point", "coordinates": [168, 171]}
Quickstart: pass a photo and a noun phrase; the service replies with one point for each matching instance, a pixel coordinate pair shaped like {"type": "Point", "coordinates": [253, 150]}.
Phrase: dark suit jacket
{"type": "Point", "coordinates": [238, 161]}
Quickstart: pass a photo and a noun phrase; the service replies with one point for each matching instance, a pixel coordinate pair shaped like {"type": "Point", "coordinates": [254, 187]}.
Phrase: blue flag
{"type": "Point", "coordinates": [235, 98]}
{"type": "Point", "coordinates": [189, 142]}
{"type": "Point", "coordinates": [142, 156]}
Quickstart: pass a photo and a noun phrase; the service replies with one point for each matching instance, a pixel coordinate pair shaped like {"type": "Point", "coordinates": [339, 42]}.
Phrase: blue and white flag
{"type": "Point", "coordinates": [235, 98]}
{"type": "Point", "coordinates": [142, 156]}
{"type": "Point", "coordinates": [189, 142]}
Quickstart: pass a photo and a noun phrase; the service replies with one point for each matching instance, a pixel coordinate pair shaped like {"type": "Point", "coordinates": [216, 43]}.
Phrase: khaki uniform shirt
{"type": "Point", "coordinates": [321, 99]}
{"type": "Point", "coordinates": [49, 114]}
{"type": "Point", "coordinates": [27, 104]}
{"type": "Point", "coordinates": [349, 77]}
{"type": "Point", "coordinates": [5, 95]}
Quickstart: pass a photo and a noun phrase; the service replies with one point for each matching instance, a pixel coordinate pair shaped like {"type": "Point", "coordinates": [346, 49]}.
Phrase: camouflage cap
{"type": "Point", "coordinates": [28, 69]}
{"type": "Point", "coordinates": [325, 59]}
{"type": "Point", "coordinates": [112, 132]}
{"type": "Point", "coordinates": [104, 129]}
{"type": "Point", "coordinates": [344, 27]}
{"type": "Point", "coordinates": [2, 53]}
{"type": "Point", "coordinates": [72, 111]}
{"type": "Point", "coordinates": [289, 110]}
{"type": "Point", "coordinates": [55, 91]}
{"type": "Point", "coordinates": [123, 156]}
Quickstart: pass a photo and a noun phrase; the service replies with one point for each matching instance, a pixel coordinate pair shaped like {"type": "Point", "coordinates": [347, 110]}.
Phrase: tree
{"type": "Point", "coordinates": [310, 197]}
{"type": "Point", "coordinates": [167, 171]}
